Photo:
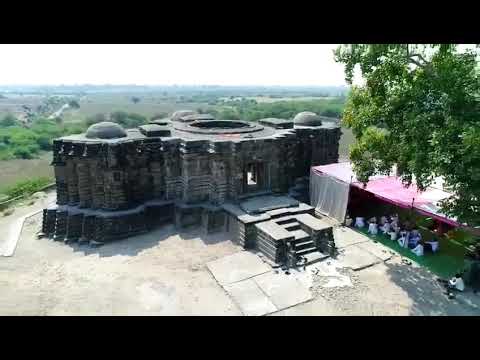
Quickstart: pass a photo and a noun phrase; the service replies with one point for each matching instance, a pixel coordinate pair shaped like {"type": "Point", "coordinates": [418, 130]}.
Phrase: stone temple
{"type": "Point", "coordinates": [248, 178]}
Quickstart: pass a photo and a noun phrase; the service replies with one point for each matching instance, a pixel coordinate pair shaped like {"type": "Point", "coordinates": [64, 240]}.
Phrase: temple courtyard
{"type": "Point", "coordinates": [165, 272]}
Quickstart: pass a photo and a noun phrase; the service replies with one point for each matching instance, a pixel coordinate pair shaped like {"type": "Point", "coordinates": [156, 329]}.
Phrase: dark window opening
{"type": "Point", "coordinates": [254, 177]}
{"type": "Point", "coordinates": [252, 174]}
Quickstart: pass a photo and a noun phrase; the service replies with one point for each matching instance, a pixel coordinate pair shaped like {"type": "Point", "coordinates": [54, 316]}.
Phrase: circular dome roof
{"type": "Point", "coordinates": [181, 113]}
{"type": "Point", "coordinates": [105, 130]}
{"type": "Point", "coordinates": [307, 118]}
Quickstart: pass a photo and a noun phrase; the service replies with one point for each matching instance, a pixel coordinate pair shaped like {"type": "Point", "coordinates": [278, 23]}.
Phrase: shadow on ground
{"type": "Point", "coordinates": [428, 295]}
{"type": "Point", "coordinates": [132, 246]}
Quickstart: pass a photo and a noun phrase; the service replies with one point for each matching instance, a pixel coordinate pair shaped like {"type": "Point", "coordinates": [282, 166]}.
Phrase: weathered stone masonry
{"type": "Point", "coordinates": [113, 183]}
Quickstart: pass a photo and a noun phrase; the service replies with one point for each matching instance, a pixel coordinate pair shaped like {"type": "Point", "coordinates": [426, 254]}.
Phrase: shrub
{"type": "Point", "coordinates": [74, 104]}
{"type": "Point", "coordinates": [128, 120]}
{"type": "Point", "coordinates": [160, 115]}
{"type": "Point", "coordinates": [44, 142]}
{"type": "Point", "coordinates": [95, 119]}
{"type": "Point", "coordinates": [8, 120]}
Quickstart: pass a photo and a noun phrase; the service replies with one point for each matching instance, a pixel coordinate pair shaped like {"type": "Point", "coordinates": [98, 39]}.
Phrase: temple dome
{"type": "Point", "coordinates": [177, 115]}
{"type": "Point", "coordinates": [307, 118]}
{"type": "Point", "coordinates": [105, 130]}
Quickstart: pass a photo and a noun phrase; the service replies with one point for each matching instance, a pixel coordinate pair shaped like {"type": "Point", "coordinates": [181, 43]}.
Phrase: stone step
{"type": "Point", "coordinates": [303, 244]}
{"type": "Point", "coordinates": [307, 250]}
{"type": "Point", "coordinates": [300, 235]}
{"type": "Point", "coordinates": [294, 226]}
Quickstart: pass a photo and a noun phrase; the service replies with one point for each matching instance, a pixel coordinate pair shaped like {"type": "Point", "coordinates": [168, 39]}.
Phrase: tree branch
{"type": "Point", "coordinates": [416, 62]}
{"type": "Point", "coordinates": [413, 61]}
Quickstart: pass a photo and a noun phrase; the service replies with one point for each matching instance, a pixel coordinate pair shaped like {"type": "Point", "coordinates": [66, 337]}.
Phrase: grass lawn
{"type": "Point", "coordinates": [447, 261]}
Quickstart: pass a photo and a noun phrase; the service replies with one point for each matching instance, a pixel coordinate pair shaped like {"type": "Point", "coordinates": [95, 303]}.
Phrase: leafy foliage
{"type": "Point", "coordinates": [159, 115]}
{"type": "Point", "coordinates": [128, 120]}
{"type": "Point", "coordinates": [419, 110]}
{"type": "Point", "coordinates": [74, 104]}
{"type": "Point", "coordinates": [8, 120]}
{"type": "Point", "coordinates": [93, 119]}
{"type": "Point", "coordinates": [25, 143]}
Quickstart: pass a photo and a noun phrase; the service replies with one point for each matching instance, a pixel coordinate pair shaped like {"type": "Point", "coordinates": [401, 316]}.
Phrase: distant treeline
{"type": "Point", "coordinates": [181, 89]}
{"type": "Point", "coordinates": [250, 110]}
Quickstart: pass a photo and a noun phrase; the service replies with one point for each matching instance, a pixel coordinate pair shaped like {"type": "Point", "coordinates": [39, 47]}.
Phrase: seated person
{"type": "Point", "coordinates": [418, 250]}
{"type": "Point", "coordinates": [373, 228]}
{"type": "Point", "coordinates": [348, 220]}
{"type": "Point", "coordinates": [408, 225]}
{"type": "Point", "coordinates": [393, 234]}
{"type": "Point", "coordinates": [431, 246]}
{"type": "Point", "coordinates": [372, 220]}
{"type": "Point", "coordinates": [456, 283]}
{"type": "Point", "coordinates": [394, 226]}
{"type": "Point", "coordinates": [359, 222]}
{"type": "Point", "coordinates": [385, 228]}
{"type": "Point", "coordinates": [403, 239]}
{"type": "Point", "coordinates": [394, 218]}
{"type": "Point", "coordinates": [383, 220]}
{"type": "Point", "coordinates": [414, 238]}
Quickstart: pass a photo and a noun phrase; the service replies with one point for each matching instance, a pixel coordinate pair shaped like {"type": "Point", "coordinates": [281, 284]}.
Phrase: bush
{"type": "Point", "coordinates": [27, 187]}
{"type": "Point", "coordinates": [160, 115]}
{"type": "Point", "coordinates": [95, 119]}
{"type": "Point", "coordinates": [128, 120]}
{"type": "Point", "coordinates": [74, 104]}
{"type": "Point", "coordinates": [24, 152]}
{"type": "Point", "coordinates": [44, 142]}
{"type": "Point", "coordinates": [8, 120]}
{"type": "Point", "coordinates": [74, 129]}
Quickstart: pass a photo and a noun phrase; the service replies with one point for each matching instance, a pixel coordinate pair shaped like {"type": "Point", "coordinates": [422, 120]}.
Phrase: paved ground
{"type": "Point", "coordinates": [165, 273]}
{"type": "Point", "coordinates": [12, 224]}
{"type": "Point", "coordinates": [160, 273]}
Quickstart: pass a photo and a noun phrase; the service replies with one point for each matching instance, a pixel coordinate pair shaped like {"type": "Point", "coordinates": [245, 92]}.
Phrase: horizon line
{"type": "Point", "coordinates": [171, 85]}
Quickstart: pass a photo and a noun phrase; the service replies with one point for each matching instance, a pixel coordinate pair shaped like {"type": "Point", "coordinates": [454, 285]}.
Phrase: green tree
{"type": "Point", "coordinates": [74, 104]}
{"type": "Point", "coordinates": [120, 117]}
{"type": "Point", "coordinates": [135, 99]}
{"type": "Point", "coordinates": [8, 120]}
{"type": "Point", "coordinates": [159, 115]}
{"type": "Point", "coordinates": [418, 109]}
{"type": "Point", "coordinates": [95, 119]}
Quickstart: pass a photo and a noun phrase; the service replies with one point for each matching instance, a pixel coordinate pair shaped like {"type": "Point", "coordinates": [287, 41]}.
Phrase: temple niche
{"type": "Point", "coordinates": [189, 169]}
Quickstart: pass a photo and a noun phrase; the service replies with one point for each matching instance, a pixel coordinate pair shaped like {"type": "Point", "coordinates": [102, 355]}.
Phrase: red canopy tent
{"type": "Point", "coordinates": [392, 190]}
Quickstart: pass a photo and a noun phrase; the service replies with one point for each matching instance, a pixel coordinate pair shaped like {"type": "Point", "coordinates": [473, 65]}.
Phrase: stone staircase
{"type": "Point", "coordinates": [302, 244]}
{"type": "Point", "coordinates": [299, 237]}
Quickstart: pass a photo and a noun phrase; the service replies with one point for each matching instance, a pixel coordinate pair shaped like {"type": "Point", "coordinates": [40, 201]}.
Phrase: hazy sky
{"type": "Point", "coordinates": [170, 64]}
